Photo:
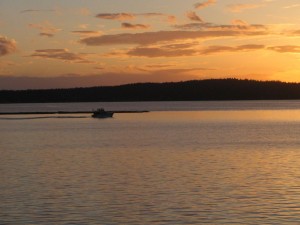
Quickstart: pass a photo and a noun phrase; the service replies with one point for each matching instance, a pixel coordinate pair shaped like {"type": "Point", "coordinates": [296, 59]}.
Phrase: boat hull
{"type": "Point", "coordinates": [103, 115]}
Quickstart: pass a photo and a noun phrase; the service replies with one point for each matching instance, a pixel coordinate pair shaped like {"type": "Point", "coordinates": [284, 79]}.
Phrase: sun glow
{"type": "Point", "coordinates": [168, 42]}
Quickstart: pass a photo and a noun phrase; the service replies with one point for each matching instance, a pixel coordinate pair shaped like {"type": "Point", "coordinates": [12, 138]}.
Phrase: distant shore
{"type": "Point", "coordinates": [195, 90]}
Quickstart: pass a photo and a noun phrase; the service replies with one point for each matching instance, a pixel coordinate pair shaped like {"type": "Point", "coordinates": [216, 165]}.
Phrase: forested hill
{"type": "Point", "coordinates": [214, 89]}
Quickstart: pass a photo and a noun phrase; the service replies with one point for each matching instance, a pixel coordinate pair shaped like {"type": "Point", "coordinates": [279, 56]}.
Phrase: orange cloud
{"type": "Point", "coordinates": [160, 52]}
{"type": "Point", "coordinates": [218, 49]}
{"type": "Point", "coordinates": [7, 46]}
{"type": "Point", "coordinates": [46, 34]}
{"type": "Point", "coordinates": [150, 14]}
{"type": "Point", "coordinates": [191, 26]}
{"type": "Point", "coordinates": [86, 33]}
{"type": "Point", "coordinates": [286, 48]}
{"type": "Point", "coordinates": [193, 16]}
{"type": "Point", "coordinates": [61, 54]}
{"type": "Point", "coordinates": [177, 50]}
{"type": "Point", "coordinates": [170, 50]}
{"type": "Point", "coordinates": [205, 4]}
{"type": "Point", "coordinates": [159, 66]}
{"type": "Point", "coordinates": [187, 49]}
{"type": "Point", "coordinates": [116, 16]}
{"type": "Point", "coordinates": [243, 27]}
{"type": "Point", "coordinates": [45, 28]}
{"type": "Point", "coordinates": [131, 16]}
{"type": "Point", "coordinates": [239, 23]}
{"type": "Point", "coordinates": [147, 38]}
{"type": "Point", "coordinates": [135, 26]}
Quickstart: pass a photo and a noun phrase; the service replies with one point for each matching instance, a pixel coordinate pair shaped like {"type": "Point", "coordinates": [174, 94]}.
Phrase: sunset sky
{"type": "Point", "coordinates": [74, 43]}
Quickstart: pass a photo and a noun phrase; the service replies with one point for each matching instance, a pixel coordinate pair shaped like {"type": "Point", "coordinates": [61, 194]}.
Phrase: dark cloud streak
{"type": "Point", "coordinates": [37, 10]}
{"type": "Point", "coordinates": [116, 16]}
{"type": "Point", "coordinates": [193, 16]}
{"type": "Point", "coordinates": [134, 26]}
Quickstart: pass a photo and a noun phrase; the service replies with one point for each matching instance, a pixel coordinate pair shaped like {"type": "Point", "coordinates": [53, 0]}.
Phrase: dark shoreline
{"type": "Point", "coordinates": [195, 90]}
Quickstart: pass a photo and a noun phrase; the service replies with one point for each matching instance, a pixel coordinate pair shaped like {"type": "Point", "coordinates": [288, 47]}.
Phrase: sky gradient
{"type": "Point", "coordinates": [80, 43]}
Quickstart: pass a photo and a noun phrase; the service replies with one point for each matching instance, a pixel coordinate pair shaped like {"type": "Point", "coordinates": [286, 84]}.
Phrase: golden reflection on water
{"type": "Point", "coordinates": [240, 115]}
{"type": "Point", "coordinates": [205, 167]}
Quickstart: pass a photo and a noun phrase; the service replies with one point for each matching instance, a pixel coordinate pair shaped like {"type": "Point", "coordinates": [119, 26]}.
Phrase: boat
{"type": "Point", "coordinates": [101, 113]}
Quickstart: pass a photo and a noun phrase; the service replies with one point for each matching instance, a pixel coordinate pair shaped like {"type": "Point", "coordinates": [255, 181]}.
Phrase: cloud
{"type": "Point", "coordinates": [99, 68]}
{"type": "Point", "coordinates": [205, 4]}
{"type": "Point", "coordinates": [149, 14]}
{"type": "Point", "coordinates": [286, 48]}
{"type": "Point", "coordinates": [169, 18]}
{"type": "Point", "coordinates": [61, 54]}
{"type": "Point", "coordinates": [244, 27]}
{"type": "Point", "coordinates": [159, 66]}
{"type": "Point", "coordinates": [37, 10]}
{"type": "Point", "coordinates": [45, 28]}
{"type": "Point", "coordinates": [170, 50]}
{"type": "Point", "coordinates": [238, 25]}
{"type": "Point", "coordinates": [135, 26]}
{"type": "Point", "coordinates": [193, 16]}
{"type": "Point", "coordinates": [160, 52]}
{"type": "Point", "coordinates": [191, 26]}
{"type": "Point", "coordinates": [188, 50]}
{"type": "Point", "coordinates": [218, 49]}
{"type": "Point", "coordinates": [131, 16]}
{"type": "Point", "coordinates": [46, 34]}
{"type": "Point", "coordinates": [237, 8]}
{"type": "Point", "coordinates": [86, 33]}
{"type": "Point", "coordinates": [147, 38]}
{"type": "Point", "coordinates": [116, 16]}
{"type": "Point", "coordinates": [184, 49]}
{"type": "Point", "coordinates": [7, 46]}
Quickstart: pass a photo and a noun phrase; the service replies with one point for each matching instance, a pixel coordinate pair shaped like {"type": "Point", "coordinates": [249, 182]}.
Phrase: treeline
{"type": "Point", "coordinates": [212, 89]}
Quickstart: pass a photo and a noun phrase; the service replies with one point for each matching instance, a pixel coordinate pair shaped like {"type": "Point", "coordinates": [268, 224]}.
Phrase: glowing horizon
{"type": "Point", "coordinates": [147, 41]}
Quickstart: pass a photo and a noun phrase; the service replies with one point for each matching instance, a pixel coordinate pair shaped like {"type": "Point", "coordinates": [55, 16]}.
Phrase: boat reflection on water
{"type": "Point", "coordinates": [101, 113]}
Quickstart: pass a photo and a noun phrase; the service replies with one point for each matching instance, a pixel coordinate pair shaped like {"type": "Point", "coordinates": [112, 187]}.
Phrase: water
{"type": "Point", "coordinates": [154, 106]}
{"type": "Point", "coordinates": [233, 165]}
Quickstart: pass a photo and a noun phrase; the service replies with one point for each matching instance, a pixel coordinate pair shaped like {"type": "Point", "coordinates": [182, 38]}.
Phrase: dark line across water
{"type": "Point", "coordinates": [66, 112]}
{"type": "Point", "coordinates": [44, 117]}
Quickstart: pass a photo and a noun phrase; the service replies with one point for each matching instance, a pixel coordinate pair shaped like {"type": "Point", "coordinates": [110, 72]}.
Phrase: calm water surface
{"type": "Point", "coordinates": [236, 165]}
